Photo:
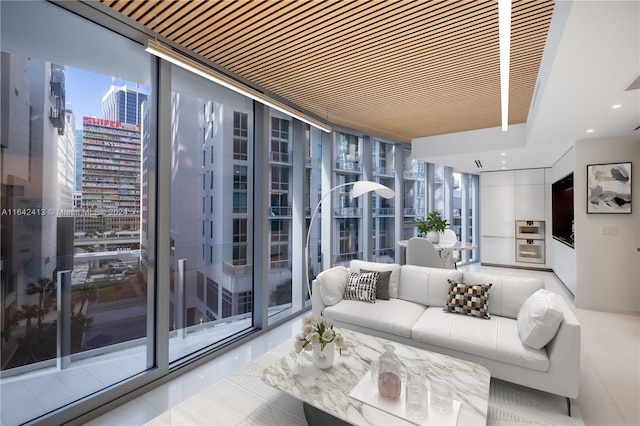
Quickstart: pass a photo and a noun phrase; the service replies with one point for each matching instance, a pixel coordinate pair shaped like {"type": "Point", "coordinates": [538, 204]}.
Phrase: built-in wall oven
{"type": "Point", "coordinates": [530, 229]}
{"type": "Point", "coordinates": [530, 247]}
{"type": "Point", "coordinates": [530, 251]}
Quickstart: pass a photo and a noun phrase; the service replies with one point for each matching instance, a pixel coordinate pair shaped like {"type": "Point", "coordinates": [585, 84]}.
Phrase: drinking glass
{"type": "Point", "coordinates": [416, 392]}
{"type": "Point", "coordinates": [441, 396]}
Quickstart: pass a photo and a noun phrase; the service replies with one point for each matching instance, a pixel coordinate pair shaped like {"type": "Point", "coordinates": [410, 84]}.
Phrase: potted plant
{"type": "Point", "coordinates": [432, 225]}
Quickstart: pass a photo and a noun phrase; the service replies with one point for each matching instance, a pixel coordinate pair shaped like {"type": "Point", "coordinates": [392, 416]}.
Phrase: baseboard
{"type": "Point", "coordinates": [529, 268]}
{"type": "Point", "coordinates": [610, 310]}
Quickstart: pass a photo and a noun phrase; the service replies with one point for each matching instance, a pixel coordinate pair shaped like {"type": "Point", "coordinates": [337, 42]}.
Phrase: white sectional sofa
{"type": "Point", "coordinates": [414, 315]}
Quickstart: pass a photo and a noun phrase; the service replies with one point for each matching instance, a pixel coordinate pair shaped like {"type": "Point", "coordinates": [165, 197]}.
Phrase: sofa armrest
{"type": "Point", "coordinates": [317, 305]}
{"type": "Point", "coordinates": [564, 353]}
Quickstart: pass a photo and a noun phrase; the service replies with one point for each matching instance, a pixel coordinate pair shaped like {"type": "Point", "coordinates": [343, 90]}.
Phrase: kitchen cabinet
{"type": "Point", "coordinates": [507, 196]}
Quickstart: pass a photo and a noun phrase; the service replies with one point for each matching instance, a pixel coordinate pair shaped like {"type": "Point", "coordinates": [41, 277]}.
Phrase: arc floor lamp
{"type": "Point", "coordinates": [359, 188]}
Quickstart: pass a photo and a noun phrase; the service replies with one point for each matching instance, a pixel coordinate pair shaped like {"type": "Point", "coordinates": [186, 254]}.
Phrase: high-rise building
{"type": "Point", "coordinates": [124, 103]}
{"type": "Point", "coordinates": [111, 175]}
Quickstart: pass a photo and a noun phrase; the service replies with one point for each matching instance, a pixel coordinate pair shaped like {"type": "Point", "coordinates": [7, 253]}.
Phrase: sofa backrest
{"type": "Point", "coordinates": [394, 280]}
{"type": "Point", "coordinates": [427, 286]}
{"type": "Point", "coordinates": [507, 294]}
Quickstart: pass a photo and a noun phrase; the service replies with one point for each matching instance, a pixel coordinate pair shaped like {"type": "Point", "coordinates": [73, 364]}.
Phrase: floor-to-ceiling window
{"type": "Point", "coordinates": [76, 264]}
{"type": "Point", "coordinates": [133, 298]}
{"type": "Point", "coordinates": [211, 169]}
{"type": "Point", "coordinates": [383, 235]}
{"type": "Point", "coordinates": [348, 169]}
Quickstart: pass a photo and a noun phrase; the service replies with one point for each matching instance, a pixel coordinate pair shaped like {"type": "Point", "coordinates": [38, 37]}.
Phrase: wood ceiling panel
{"type": "Point", "coordinates": [400, 69]}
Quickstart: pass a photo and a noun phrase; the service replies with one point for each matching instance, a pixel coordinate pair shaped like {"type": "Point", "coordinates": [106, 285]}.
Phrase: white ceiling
{"type": "Point", "coordinates": [591, 57]}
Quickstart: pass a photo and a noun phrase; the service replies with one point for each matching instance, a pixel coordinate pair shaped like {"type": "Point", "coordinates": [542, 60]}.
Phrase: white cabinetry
{"type": "Point", "coordinates": [497, 204]}
{"type": "Point", "coordinates": [530, 194]}
{"type": "Point", "coordinates": [505, 197]}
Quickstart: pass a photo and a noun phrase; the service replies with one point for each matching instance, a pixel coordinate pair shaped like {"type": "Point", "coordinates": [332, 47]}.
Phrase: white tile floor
{"type": "Point", "coordinates": [610, 366]}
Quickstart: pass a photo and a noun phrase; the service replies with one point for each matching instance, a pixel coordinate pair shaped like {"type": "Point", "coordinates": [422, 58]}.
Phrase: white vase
{"type": "Point", "coordinates": [433, 236]}
{"type": "Point", "coordinates": [323, 358]}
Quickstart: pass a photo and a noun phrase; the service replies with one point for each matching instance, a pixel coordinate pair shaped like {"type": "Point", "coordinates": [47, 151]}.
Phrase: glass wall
{"type": "Point", "coordinates": [211, 296]}
{"type": "Point", "coordinates": [347, 211]}
{"type": "Point", "coordinates": [130, 227]}
{"type": "Point", "coordinates": [75, 211]}
{"type": "Point", "coordinates": [383, 235]}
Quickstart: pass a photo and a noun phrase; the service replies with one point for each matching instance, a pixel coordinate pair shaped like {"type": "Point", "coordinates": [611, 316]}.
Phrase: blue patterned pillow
{"type": "Point", "coordinates": [362, 286]}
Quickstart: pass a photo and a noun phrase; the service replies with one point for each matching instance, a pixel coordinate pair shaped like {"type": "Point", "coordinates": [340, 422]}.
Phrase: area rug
{"type": "Point", "coordinates": [242, 398]}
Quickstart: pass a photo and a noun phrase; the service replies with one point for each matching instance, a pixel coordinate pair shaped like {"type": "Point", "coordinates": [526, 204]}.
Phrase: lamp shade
{"type": "Point", "coordinates": [364, 186]}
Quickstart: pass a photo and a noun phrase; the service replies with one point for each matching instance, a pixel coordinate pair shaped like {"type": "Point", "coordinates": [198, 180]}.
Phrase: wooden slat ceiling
{"type": "Point", "coordinates": [400, 69]}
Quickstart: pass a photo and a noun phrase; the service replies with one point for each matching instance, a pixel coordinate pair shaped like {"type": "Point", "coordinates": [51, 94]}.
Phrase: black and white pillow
{"type": "Point", "coordinates": [468, 299]}
{"type": "Point", "coordinates": [362, 286]}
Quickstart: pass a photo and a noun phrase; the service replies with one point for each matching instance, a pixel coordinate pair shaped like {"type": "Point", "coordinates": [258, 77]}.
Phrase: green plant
{"type": "Point", "coordinates": [433, 222]}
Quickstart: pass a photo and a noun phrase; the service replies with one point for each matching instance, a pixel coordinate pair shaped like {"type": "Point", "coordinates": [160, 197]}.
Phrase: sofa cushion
{"type": "Point", "coordinates": [426, 286]}
{"type": "Point", "coordinates": [496, 339]}
{"type": "Point", "coordinates": [332, 283]}
{"type": "Point", "coordinates": [468, 299]}
{"type": "Point", "coordinates": [361, 287]}
{"type": "Point", "coordinates": [507, 293]}
{"type": "Point", "coordinates": [382, 290]}
{"type": "Point", "coordinates": [394, 280]}
{"type": "Point", "coordinates": [539, 318]}
{"type": "Point", "coordinates": [393, 316]}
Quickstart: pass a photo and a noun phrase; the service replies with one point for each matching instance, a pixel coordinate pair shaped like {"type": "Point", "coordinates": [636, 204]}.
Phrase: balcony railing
{"type": "Point", "coordinates": [348, 166]}
{"type": "Point", "coordinates": [346, 257]}
{"type": "Point", "coordinates": [280, 211]}
{"type": "Point", "coordinates": [408, 212]}
{"type": "Point", "coordinates": [383, 171]}
{"type": "Point", "coordinates": [280, 157]}
{"type": "Point", "coordinates": [383, 211]}
{"type": "Point", "coordinates": [348, 212]}
{"type": "Point", "coordinates": [236, 271]}
{"type": "Point", "coordinates": [413, 175]}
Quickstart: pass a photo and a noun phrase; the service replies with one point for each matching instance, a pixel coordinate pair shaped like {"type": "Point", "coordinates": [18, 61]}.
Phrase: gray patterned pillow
{"type": "Point", "coordinates": [468, 299]}
{"type": "Point", "coordinates": [382, 289]}
{"type": "Point", "coordinates": [362, 286]}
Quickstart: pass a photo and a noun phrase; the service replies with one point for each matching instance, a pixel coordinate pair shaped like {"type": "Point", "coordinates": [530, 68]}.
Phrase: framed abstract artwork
{"type": "Point", "coordinates": [609, 188]}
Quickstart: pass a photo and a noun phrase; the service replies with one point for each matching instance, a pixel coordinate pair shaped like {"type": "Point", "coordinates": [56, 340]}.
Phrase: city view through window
{"type": "Point", "coordinates": [71, 210]}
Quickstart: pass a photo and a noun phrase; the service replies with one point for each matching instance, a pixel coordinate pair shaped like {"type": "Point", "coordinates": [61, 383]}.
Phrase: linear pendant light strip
{"type": "Point", "coordinates": [158, 49]}
{"type": "Point", "coordinates": [504, 30]}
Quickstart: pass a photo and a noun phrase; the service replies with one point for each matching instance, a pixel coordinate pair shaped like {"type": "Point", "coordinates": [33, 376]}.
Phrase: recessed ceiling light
{"type": "Point", "coordinates": [503, 167]}
{"type": "Point", "coordinates": [503, 153]}
{"type": "Point", "coordinates": [616, 106]}
{"type": "Point", "coordinates": [589, 130]}
{"type": "Point", "coordinates": [504, 161]}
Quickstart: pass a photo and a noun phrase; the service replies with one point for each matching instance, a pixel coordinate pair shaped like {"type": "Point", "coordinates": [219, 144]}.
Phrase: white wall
{"type": "Point", "coordinates": [608, 266]}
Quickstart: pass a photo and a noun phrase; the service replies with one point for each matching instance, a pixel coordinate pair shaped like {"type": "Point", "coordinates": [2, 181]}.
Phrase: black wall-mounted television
{"type": "Point", "coordinates": [562, 210]}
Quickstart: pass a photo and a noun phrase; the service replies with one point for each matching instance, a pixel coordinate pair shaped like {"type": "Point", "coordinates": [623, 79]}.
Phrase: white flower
{"type": "Point", "coordinates": [317, 330]}
{"type": "Point", "coordinates": [327, 335]}
{"type": "Point", "coordinates": [314, 338]}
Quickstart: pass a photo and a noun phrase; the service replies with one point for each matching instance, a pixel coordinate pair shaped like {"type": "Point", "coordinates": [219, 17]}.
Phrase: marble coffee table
{"type": "Point", "coordinates": [328, 390]}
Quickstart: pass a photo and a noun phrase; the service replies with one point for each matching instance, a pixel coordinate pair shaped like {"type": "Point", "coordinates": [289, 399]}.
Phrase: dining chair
{"type": "Point", "coordinates": [421, 252]}
{"type": "Point", "coordinates": [449, 238]}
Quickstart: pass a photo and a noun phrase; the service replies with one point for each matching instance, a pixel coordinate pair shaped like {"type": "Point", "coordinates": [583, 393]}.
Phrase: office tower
{"type": "Point", "coordinates": [124, 103]}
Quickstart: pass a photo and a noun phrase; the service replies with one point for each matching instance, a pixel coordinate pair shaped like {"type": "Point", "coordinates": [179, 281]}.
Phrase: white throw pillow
{"type": "Point", "coordinates": [539, 318]}
{"type": "Point", "coordinates": [332, 284]}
